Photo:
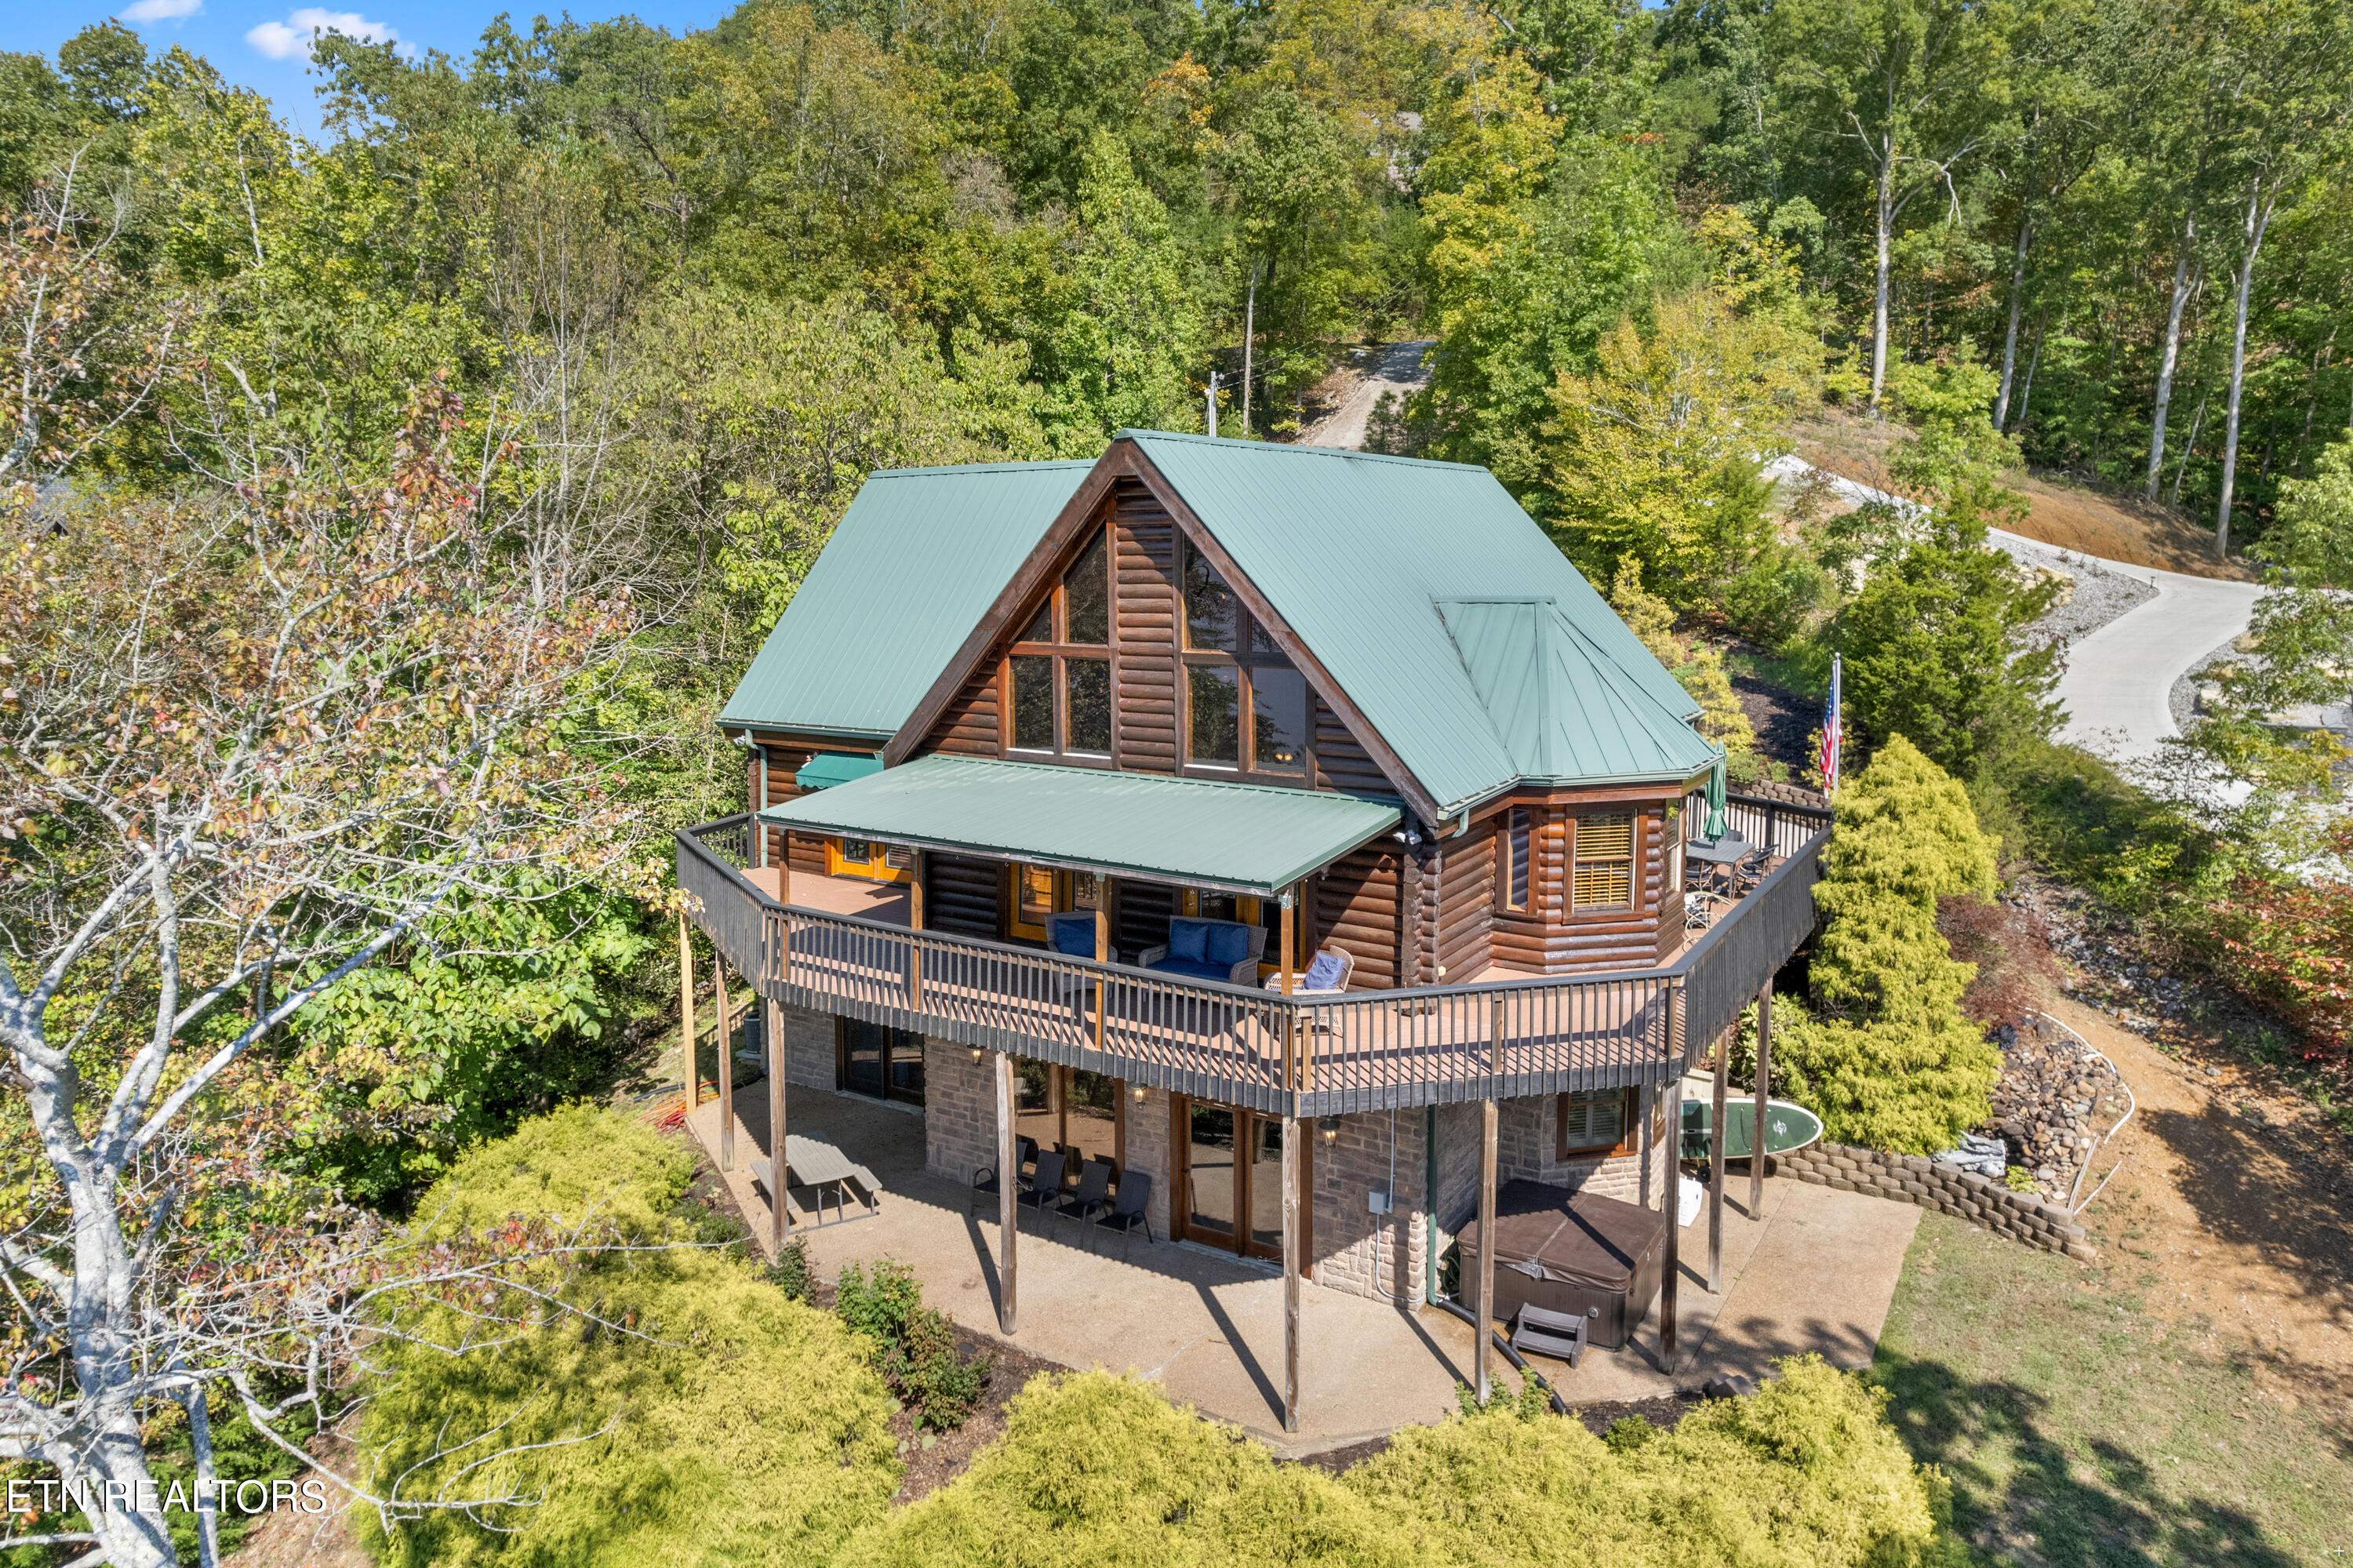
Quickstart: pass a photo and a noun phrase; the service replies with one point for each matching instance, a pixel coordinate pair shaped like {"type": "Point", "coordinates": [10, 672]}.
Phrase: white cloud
{"type": "Point", "coordinates": [291, 39]}
{"type": "Point", "coordinates": [162, 10]}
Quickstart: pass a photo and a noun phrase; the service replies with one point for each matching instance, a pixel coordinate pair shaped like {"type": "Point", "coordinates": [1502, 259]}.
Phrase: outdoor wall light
{"type": "Point", "coordinates": [978, 1053]}
{"type": "Point", "coordinates": [1137, 1090]}
{"type": "Point", "coordinates": [1329, 1126]}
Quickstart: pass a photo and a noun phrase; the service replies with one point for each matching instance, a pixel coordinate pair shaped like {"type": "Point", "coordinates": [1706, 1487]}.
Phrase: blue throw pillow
{"type": "Point", "coordinates": [1324, 974]}
{"type": "Point", "coordinates": [1228, 944]}
{"type": "Point", "coordinates": [1076, 937]}
{"type": "Point", "coordinates": [1187, 939]}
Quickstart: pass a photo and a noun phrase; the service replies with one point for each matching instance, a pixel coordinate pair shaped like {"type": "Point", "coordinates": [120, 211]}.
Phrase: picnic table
{"type": "Point", "coordinates": [813, 1163]}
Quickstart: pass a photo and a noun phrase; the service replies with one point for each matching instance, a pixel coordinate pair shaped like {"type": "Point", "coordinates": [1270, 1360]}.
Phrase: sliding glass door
{"type": "Point", "coordinates": [1231, 1179]}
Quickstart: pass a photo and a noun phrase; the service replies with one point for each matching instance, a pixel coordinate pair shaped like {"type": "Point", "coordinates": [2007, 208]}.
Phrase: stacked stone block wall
{"type": "Point", "coordinates": [959, 1110]}
{"type": "Point", "coordinates": [1348, 1237]}
{"type": "Point", "coordinates": [1147, 1150]}
{"type": "Point", "coordinates": [810, 1059]}
{"type": "Point", "coordinates": [1964, 1195]}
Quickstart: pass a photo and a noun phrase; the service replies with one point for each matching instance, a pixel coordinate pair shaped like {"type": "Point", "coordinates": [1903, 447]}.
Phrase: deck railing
{"type": "Point", "coordinates": [1368, 1050]}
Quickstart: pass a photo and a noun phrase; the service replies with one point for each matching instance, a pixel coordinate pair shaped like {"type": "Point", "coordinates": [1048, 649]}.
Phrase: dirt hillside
{"type": "Point", "coordinates": [2094, 522]}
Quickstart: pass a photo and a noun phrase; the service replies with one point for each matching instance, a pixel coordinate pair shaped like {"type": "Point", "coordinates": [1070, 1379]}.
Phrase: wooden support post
{"type": "Point", "coordinates": [915, 923]}
{"type": "Point", "coordinates": [1673, 1197]}
{"type": "Point", "coordinates": [1292, 1265]}
{"type": "Point", "coordinates": [1764, 1090]}
{"type": "Point", "coordinates": [779, 1219]}
{"type": "Point", "coordinates": [1290, 1075]}
{"type": "Point", "coordinates": [1483, 1287]}
{"type": "Point", "coordinates": [1008, 1191]}
{"type": "Point", "coordinates": [1643, 1100]}
{"type": "Point", "coordinates": [1716, 1142]}
{"type": "Point", "coordinates": [686, 1016]}
{"type": "Point", "coordinates": [726, 1069]}
{"type": "Point", "coordinates": [1102, 954]}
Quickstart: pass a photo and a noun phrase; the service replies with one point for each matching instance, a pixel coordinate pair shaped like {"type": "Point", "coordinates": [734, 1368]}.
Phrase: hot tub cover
{"type": "Point", "coordinates": [1551, 1232]}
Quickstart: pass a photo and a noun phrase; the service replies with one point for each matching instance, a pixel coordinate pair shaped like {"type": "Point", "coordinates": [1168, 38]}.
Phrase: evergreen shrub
{"type": "Point", "coordinates": [1885, 1057]}
{"type": "Point", "coordinates": [1098, 1469]}
{"type": "Point", "coordinates": [700, 1417]}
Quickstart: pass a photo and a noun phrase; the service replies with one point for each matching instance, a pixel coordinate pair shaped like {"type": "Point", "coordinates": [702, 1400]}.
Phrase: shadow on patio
{"type": "Point", "coordinates": [1815, 1273]}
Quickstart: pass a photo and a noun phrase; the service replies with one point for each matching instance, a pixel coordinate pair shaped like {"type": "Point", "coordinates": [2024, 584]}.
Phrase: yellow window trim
{"type": "Point", "coordinates": [876, 869]}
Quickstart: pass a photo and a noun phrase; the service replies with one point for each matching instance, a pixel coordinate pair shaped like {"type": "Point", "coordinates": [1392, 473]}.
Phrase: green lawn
{"type": "Point", "coordinates": [2075, 1434]}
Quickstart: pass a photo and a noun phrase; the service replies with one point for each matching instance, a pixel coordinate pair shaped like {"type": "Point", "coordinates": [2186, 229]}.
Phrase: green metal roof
{"type": "Point", "coordinates": [910, 570]}
{"type": "Point", "coordinates": [1355, 551]}
{"type": "Point", "coordinates": [1246, 838]}
{"type": "Point", "coordinates": [827, 769]}
{"type": "Point", "coordinates": [1563, 707]}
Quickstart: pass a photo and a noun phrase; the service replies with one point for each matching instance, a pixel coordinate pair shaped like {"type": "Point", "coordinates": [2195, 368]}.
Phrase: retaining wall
{"type": "Point", "coordinates": [1964, 1195]}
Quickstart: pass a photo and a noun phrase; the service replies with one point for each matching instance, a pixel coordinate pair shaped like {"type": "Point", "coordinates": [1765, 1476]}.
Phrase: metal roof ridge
{"type": "Point", "coordinates": [1237, 443]}
{"type": "Point", "coordinates": [1063, 770]}
{"type": "Point", "coordinates": [1029, 465]}
{"type": "Point", "coordinates": [1601, 656]}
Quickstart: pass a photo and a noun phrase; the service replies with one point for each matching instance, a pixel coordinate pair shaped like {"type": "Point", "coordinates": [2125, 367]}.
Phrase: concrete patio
{"type": "Point", "coordinates": [1813, 1271]}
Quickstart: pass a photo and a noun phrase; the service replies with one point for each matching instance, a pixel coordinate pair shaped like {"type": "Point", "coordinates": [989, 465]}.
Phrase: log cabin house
{"type": "Point", "coordinates": [1294, 828]}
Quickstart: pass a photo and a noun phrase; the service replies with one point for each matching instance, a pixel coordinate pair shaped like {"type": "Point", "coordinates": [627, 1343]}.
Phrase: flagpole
{"type": "Point", "coordinates": [1834, 730]}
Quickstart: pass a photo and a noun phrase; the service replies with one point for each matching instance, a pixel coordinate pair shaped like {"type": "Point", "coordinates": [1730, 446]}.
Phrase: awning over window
{"type": "Point", "coordinates": [827, 769]}
{"type": "Point", "coordinates": [1240, 838]}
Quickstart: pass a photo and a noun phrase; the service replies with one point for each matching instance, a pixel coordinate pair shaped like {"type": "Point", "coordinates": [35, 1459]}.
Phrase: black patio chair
{"type": "Point", "coordinates": [1127, 1211]}
{"type": "Point", "coordinates": [1093, 1192]}
{"type": "Point", "coordinates": [1044, 1185]}
{"type": "Point", "coordinates": [984, 1180]}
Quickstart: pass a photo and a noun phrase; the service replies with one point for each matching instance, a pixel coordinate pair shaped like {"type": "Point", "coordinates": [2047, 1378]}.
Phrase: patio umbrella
{"type": "Point", "coordinates": [1714, 827]}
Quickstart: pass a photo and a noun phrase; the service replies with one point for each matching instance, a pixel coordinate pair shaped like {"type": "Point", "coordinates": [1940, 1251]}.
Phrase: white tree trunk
{"type": "Point", "coordinates": [2182, 290]}
{"type": "Point", "coordinates": [1886, 224]}
{"type": "Point", "coordinates": [1249, 336]}
{"type": "Point", "coordinates": [2258, 220]}
{"type": "Point", "coordinates": [2017, 309]}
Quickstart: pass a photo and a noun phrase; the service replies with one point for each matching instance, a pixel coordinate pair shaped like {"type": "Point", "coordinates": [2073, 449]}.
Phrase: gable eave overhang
{"type": "Point", "coordinates": [1125, 460]}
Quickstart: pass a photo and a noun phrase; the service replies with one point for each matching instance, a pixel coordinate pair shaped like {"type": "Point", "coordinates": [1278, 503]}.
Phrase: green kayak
{"type": "Point", "coordinates": [1787, 1126]}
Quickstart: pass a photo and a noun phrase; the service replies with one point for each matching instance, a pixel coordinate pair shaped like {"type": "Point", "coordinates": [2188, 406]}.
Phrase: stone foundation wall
{"type": "Point", "coordinates": [810, 1059]}
{"type": "Point", "coordinates": [1147, 1150]}
{"type": "Point", "coordinates": [1346, 1234]}
{"type": "Point", "coordinates": [959, 1110]}
{"type": "Point", "coordinates": [1964, 1195]}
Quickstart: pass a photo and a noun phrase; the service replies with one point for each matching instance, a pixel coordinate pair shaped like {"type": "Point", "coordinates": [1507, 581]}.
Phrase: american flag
{"type": "Point", "coordinates": [1831, 734]}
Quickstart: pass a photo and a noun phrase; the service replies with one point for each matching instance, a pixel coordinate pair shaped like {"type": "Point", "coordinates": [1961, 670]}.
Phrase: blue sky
{"type": "Point", "coordinates": [264, 44]}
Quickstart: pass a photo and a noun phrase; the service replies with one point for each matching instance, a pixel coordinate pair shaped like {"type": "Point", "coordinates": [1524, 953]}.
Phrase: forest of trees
{"type": "Point", "coordinates": [390, 512]}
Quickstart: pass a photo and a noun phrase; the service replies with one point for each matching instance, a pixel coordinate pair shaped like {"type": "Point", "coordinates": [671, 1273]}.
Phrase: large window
{"type": "Point", "coordinates": [1514, 866]}
{"type": "Point", "coordinates": [1603, 1122]}
{"type": "Point", "coordinates": [1059, 701]}
{"type": "Point", "coordinates": [1246, 708]}
{"type": "Point", "coordinates": [875, 1060]}
{"type": "Point", "coordinates": [1081, 1113]}
{"type": "Point", "coordinates": [1605, 862]}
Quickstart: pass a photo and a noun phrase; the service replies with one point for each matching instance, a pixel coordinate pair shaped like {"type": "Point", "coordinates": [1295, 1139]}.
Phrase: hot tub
{"type": "Point", "coordinates": [1568, 1251]}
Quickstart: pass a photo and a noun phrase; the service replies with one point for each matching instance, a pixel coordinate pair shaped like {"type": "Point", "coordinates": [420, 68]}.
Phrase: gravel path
{"type": "Point", "coordinates": [2104, 590]}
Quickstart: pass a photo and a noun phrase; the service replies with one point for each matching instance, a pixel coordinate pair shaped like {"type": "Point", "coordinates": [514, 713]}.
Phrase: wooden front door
{"type": "Point", "coordinates": [1229, 1178]}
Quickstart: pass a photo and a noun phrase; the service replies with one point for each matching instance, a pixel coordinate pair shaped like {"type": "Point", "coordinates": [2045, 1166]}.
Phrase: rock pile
{"type": "Point", "coordinates": [2054, 1103]}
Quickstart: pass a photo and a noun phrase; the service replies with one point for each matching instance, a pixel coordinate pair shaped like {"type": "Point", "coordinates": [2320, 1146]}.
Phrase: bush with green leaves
{"type": "Point", "coordinates": [1887, 1057]}
{"type": "Point", "coordinates": [914, 1345]}
{"type": "Point", "coordinates": [1098, 1469]}
{"type": "Point", "coordinates": [687, 1412]}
